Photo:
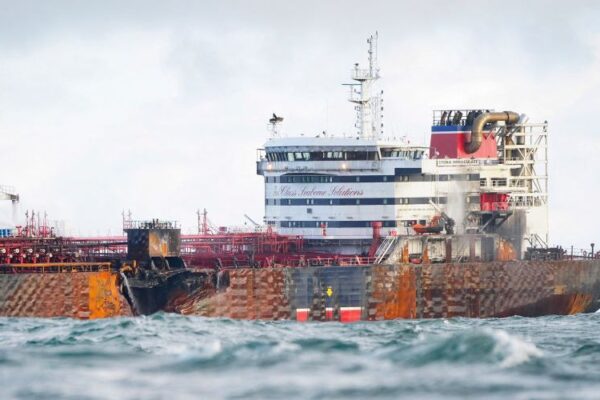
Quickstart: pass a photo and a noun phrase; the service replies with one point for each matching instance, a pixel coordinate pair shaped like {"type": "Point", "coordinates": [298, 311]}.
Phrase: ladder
{"type": "Point", "coordinates": [384, 248]}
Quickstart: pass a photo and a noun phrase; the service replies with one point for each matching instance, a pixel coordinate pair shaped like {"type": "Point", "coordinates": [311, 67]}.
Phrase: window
{"type": "Point", "coordinates": [498, 182]}
{"type": "Point", "coordinates": [321, 155]}
{"type": "Point", "coordinates": [309, 210]}
{"type": "Point", "coordinates": [405, 154]}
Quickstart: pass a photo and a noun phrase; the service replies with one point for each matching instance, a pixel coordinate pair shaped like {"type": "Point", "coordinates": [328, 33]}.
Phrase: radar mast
{"type": "Point", "coordinates": [369, 108]}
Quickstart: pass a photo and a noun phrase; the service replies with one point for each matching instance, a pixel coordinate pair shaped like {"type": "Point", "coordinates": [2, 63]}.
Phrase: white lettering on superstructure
{"type": "Point", "coordinates": [312, 191]}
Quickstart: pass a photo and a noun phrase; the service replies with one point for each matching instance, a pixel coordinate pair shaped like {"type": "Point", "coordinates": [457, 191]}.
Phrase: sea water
{"type": "Point", "coordinates": [176, 357]}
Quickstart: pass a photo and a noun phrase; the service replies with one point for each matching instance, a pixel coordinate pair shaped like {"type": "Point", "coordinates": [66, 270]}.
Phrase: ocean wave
{"type": "Point", "coordinates": [472, 346]}
{"type": "Point", "coordinates": [170, 356]}
{"type": "Point", "coordinates": [326, 345]}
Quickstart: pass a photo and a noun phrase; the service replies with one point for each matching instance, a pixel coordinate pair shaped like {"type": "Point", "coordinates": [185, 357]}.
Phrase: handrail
{"type": "Point", "coordinates": [64, 267]}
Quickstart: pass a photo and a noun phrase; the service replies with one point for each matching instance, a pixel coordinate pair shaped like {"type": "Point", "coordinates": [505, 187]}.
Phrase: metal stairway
{"type": "Point", "coordinates": [385, 248]}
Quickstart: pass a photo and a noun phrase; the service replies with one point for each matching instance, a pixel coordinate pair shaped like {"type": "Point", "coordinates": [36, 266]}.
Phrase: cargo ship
{"type": "Point", "coordinates": [356, 227]}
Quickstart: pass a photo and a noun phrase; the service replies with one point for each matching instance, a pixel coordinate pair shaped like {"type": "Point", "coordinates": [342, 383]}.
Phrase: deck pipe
{"type": "Point", "coordinates": [473, 144]}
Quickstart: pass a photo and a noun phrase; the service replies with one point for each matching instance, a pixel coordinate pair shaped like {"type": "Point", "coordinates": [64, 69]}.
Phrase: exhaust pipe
{"type": "Point", "coordinates": [508, 117]}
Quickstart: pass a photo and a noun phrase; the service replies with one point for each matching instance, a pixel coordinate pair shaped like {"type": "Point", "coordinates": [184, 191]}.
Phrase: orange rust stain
{"type": "Point", "coordinates": [405, 256]}
{"type": "Point", "coordinates": [104, 296]}
{"type": "Point", "coordinates": [406, 297]}
{"type": "Point", "coordinates": [579, 303]}
{"type": "Point", "coordinates": [394, 292]}
{"type": "Point", "coordinates": [506, 251]}
{"type": "Point", "coordinates": [426, 256]}
{"type": "Point", "coordinates": [80, 295]}
{"type": "Point", "coordinates": [249, 294]}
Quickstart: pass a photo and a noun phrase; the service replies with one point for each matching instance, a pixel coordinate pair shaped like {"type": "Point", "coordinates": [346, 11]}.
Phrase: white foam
{"type": "Point", "coordinates": [514, 350]}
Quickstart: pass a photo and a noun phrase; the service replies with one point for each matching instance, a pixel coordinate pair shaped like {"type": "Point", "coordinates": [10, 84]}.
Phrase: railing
{"type": "Point", "coordinates": [437, 115]}
{"type": "Point", "coordinates": [152, 224]}
{"type": "Point", "coordinates": [573, 253]}
{"type": "Point", "coordinates": [361, 74]}
{"type": "Point", "coordinates": [349, 261]}
{"type": "Point", "coordinates": [329, 262]}
{"type": "Point", "coordinates": [337, 165]}
{"type": "Point", "coordinates": [44, 268]}
{"type": "Point", "coordinates": [495, 206]}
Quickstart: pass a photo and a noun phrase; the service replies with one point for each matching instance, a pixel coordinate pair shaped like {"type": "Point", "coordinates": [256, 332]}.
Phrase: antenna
{"type": "Point", "coordinates": [274, 122]}
{"type": "Point", "coordinates": [368, 108]}
{"type": "Point", "coordinates": [372, 41]}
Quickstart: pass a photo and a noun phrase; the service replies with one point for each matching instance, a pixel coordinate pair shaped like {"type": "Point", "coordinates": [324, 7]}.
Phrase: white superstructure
{"type": "Point", "coordinates": [335, 189]}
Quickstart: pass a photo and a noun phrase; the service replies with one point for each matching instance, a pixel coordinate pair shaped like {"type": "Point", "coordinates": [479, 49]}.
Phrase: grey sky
{"type": "Point", "coordinates": [160, 106]}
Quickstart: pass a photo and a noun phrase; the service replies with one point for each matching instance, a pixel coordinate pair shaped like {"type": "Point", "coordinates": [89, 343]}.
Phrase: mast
{"type": "Point", "coordinates": [369, 108]}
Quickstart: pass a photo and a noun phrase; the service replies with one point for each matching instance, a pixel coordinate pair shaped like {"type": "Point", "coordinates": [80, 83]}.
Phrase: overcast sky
{"type": "Point", "coordinates": [159, 107]}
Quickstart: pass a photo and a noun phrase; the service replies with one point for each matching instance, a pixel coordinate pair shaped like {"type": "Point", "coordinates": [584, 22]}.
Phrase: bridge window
{"type": "Point", "coordinates": [321, 155]}
{"type": "Point", "coordinates": [400, 153]}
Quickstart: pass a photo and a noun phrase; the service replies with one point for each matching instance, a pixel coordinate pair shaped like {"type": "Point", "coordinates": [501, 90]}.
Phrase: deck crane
{"type": "Point", "coordinates": [8, 193]}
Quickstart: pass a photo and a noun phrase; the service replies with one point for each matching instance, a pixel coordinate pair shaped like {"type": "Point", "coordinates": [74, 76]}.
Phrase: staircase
{"type": "Point", "coordinates": [385, 248]}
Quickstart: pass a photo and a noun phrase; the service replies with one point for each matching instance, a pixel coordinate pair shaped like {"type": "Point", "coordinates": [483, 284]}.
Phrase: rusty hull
{"type": "Point", "coordinates": [83, 295]}
{"type": "Point", "coordinates": [379, 292]}
{"type": "Point", "coordinates": [491, 289]}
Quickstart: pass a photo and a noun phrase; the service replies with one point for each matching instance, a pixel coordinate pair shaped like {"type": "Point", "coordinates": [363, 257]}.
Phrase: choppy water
{"type": "Point", "coordinates": [175, 357]}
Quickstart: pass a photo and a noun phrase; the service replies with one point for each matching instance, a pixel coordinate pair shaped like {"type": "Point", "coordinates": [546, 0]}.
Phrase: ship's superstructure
{"type": "Point", "coordinates": [485, 169]}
